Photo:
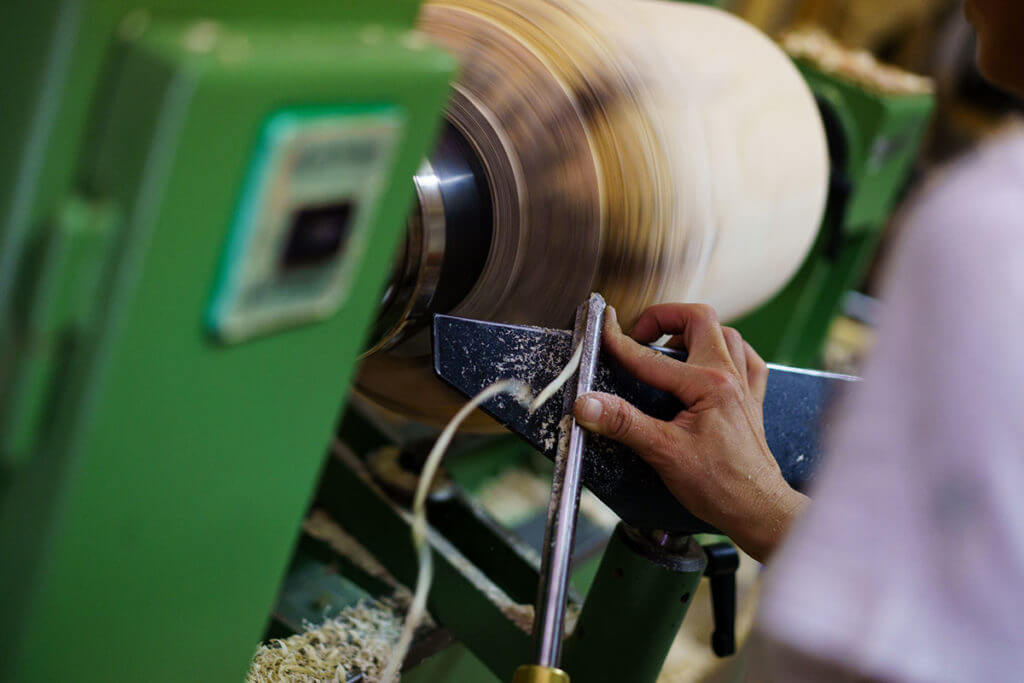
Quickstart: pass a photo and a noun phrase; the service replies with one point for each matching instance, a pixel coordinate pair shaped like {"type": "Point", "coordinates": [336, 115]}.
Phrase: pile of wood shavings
{"type": "Point", "coordinates": [359, 638]}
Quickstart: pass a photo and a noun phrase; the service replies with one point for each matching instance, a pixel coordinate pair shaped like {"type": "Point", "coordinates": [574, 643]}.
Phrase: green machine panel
{"type": "Point", "coordinates": [303, 225]}
{"type": "Point", "coordinates": [186, 318]}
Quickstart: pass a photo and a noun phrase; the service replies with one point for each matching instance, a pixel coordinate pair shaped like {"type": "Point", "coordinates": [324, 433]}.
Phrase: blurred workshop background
{"type": "Point", "coordinates": [929, 38]}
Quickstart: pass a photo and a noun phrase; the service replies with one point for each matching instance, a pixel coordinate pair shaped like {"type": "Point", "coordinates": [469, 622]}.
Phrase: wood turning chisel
{"type": "Point", "coordinates": [563, 508]}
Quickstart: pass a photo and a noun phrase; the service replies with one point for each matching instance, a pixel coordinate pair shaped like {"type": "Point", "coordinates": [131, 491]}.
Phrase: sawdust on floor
{"type": "Point", "coordinates": [359, 638]}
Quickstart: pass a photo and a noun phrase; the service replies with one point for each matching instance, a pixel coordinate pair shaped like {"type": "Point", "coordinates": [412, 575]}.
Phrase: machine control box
{"type": "Point", "coordinates": [303, 216]}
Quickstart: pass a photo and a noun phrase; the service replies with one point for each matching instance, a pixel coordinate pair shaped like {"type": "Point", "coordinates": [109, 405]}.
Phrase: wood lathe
{"type": "Point", "coordinates": [228, 232]}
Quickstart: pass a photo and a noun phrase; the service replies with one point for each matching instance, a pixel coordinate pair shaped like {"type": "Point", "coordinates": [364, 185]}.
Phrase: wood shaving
{"type": "Point", "coordinates": [369, 637]}
{"type": "Point", "coordinates": [567, 372]}
{"type": "Point", "coordinates": [521, 393]}
{"type": "Point", "coordinates": [360, 638]}
{"type": "Point", "coordinates": [419, 517]}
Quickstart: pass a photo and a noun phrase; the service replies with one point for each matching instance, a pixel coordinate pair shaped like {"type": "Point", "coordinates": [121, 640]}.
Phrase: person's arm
{"type": "Point", "coordinates": [713, 456]}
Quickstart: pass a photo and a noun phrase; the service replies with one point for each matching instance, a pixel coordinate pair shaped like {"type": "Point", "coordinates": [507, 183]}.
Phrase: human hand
{"type": "Point", "coordinates": [712, 456]}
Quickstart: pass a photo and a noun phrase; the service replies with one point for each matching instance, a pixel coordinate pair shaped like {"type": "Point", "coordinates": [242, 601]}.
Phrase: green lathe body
{"type": "Point", "coordinates": [153, 476]}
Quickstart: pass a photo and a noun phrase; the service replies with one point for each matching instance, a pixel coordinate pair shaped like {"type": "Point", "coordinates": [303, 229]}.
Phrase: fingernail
{"type": "Point", "coordinates": [591, 410]}
{"type": "Point", "coordinates": [613, 317]}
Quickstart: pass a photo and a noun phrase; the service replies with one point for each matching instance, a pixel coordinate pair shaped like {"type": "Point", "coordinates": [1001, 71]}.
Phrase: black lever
{"type": "Point", "coordinates": [723, 561]}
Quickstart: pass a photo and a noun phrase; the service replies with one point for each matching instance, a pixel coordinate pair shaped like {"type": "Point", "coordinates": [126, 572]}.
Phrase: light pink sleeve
{"type": "Point", "coordinates": [909, 564]}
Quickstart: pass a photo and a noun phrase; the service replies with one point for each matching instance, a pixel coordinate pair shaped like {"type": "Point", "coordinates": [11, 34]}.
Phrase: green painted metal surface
{"type": "Point", "coordinates": [456, 664]}
{"type": "Point", "coordinates": [146, 531]}
{"type": "Point", "coordinates": [633, 611]}
{"type": "Point", "coordinates": [55, 55]}
{"type": "Point", "coordinates": [314, 172]}
{"type": "Point", "coordinates": [879, 140]}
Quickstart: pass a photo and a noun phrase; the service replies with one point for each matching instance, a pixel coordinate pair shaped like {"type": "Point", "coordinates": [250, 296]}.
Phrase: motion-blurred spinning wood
{"type": "Point", "coordinates": [652, 151]}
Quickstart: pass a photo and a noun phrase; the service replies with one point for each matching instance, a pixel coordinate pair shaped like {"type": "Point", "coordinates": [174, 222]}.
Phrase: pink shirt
{"type": "Point", "coordinates": [909, 564]}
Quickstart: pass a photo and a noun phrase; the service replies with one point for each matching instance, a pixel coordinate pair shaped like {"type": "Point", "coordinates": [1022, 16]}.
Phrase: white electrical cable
{"type": "Point", "coordinates": [425, 576]}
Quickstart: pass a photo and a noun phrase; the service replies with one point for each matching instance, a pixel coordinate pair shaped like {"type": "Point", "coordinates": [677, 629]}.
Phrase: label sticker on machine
{"type": "Point", "coordinates": [303, 219]}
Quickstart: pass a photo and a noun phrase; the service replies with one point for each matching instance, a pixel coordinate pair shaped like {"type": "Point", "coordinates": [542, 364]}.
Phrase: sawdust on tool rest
{"type": "Point", "coordinates": [561, 453]}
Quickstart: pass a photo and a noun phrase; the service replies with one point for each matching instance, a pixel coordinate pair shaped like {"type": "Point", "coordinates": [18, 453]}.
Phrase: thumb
{"type": "Point", "coordinates": [620, 421]}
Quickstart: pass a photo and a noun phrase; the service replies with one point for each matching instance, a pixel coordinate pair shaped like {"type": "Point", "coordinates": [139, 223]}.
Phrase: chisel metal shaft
{"type": "Point", "coordinates": [565, 495]}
